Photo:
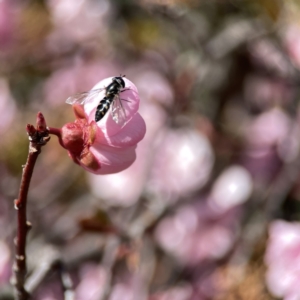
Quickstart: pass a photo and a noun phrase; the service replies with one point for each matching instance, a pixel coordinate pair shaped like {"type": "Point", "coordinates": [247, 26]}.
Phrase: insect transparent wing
{"type": "Point", "coordinates": [118, 112]}
{"type": "Point", "coordinates": [84, 97]}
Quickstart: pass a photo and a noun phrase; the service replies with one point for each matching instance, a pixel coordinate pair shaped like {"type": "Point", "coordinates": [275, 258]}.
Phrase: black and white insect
{"type": "Point", "coordinates": [111, 99]}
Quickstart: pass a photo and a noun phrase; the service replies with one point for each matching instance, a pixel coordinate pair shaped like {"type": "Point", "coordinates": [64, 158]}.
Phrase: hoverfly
{"type": "Point", "coordinates": [111, 99]}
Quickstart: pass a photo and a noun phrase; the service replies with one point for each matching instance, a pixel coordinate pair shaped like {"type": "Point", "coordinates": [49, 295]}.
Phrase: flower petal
{"type": "Point", "coordinates": [131, 105]}
{"type": "Point", "coordinates": [129, 135]}
{"type": "Point", "coordinates": [112, 159]}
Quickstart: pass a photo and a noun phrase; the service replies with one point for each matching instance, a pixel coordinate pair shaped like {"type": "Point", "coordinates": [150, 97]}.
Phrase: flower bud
{"type": "Point", "coordinates": [72, 137]}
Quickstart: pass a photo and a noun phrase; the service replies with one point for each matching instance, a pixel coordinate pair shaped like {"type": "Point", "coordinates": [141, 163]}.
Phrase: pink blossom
{"type": "Point", "coordinates": [92, 282]}
{"type": "Point", "coordinates": [8, 24]}
{"type": "Point", "coordinates": [196, 233]}
{"type": "Point", "coordinates": [232, 187]}
{"type": "Point", "coordinates": [129, 288]}
{"type": "Point", "coordinates": [283, 260]}
{"type": "Point", "coordinates": [7, 104]}
{"type": "Point", "coordinates": [268, 129]}
{"type": "Point", "coordinates": [270, 137]}
{"type": "Point", "coordinates": [160, 92]}
{"type": "Point", "coordinates": [180, 292]}
{"type": "Point", "coordinates": [78, 21]}
{"type": "Point", "coordinates": [4, 262]}
{"type": "Point", "coordinates": [292, 43]}
{"type": "Point", "coordinates": [182, 163]}
{"type": "Point", "coordinates": [104, 147]}
{"type": "Point", "coordinates": [263, 92]}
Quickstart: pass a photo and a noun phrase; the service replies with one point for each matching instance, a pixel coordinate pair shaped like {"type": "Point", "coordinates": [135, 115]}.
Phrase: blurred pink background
{"type": "Point", "coordinates": [210, 207]}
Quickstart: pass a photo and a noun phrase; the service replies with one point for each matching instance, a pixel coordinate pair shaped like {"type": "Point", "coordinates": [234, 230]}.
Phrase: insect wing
{"type": "Point", "coordinates": [118, 112]}
{"type": "Point", "coordinates": [82, 98]}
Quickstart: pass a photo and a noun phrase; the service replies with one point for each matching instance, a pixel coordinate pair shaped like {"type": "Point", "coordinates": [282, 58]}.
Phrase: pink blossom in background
{"type": "Point", "coordinates": [132, 288]}
{"type": "Point", "coordinates": [8, 24]}
{"type": "Point", "coordinates": [233, 187]}
{"type": "Point", "coordinates": [169, 150]}
{"type": "Point", "coordinates": [180, 292]}
{"type": "Point", "coordinates": [263, 92]}
{"type": "Point", "coordinates": [154, 87]}
{"type": "Point", "coordinates": [282, 259]}
{"type": "Point", "coordinates": [268, 129]}
{"type": "Point", "coordinates": [7, 105]}
{"type": "Point", "coordinates": [262, 163]}
{"type": "Point", "coordinates": [291, 37]}
{"type": "Point", "coordinates": [196, 233]}
{"type": "Point", "coordinates": [105, 147]}
{"type": "Point", "coordinates": [92, 282]}
{"type": "Point", "coordinates": [271, 138]}
{"type": "Point", "coordinates": [78, 21]}
{"type": "Point", "coordinates": [5, 263]}
{"type": "Point", "coordinates": [288, 150]}
{"type": "Point", "coordinates": [182, 163]}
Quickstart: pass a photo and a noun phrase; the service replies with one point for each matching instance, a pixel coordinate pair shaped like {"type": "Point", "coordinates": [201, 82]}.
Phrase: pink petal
{"type": "Point", "coordinates": [129, 135]}
{"type": "Point", "coordinates": [131, 180]}
{"type": "Point", "coordinates": [131, 106]}
{"type": "Point", "coordinates": [112, 159]}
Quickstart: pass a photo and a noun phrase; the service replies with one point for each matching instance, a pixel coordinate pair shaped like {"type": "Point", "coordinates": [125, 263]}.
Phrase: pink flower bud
{"type": "Point", "coordinates": [72, 136]}
{"type": "Point", "coordinates": [107, 146]}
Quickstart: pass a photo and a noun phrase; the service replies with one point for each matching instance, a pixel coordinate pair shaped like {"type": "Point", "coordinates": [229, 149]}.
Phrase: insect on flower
{"type": "Point", "coordinates": [107, 146]}
{"type": "Point", "coordinates": [111, 99]}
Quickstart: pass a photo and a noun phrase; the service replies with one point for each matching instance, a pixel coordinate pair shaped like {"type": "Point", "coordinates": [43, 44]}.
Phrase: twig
{"type": "Point", "coordinates": [38, 137]}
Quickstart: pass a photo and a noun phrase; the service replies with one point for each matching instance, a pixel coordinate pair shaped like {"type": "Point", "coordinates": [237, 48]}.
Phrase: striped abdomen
{"type": "Point", "coordinates": [103, 107]}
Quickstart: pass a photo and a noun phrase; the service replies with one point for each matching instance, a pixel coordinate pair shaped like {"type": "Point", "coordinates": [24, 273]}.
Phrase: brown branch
{"type": "Point", "coordinates": [38, 137]}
